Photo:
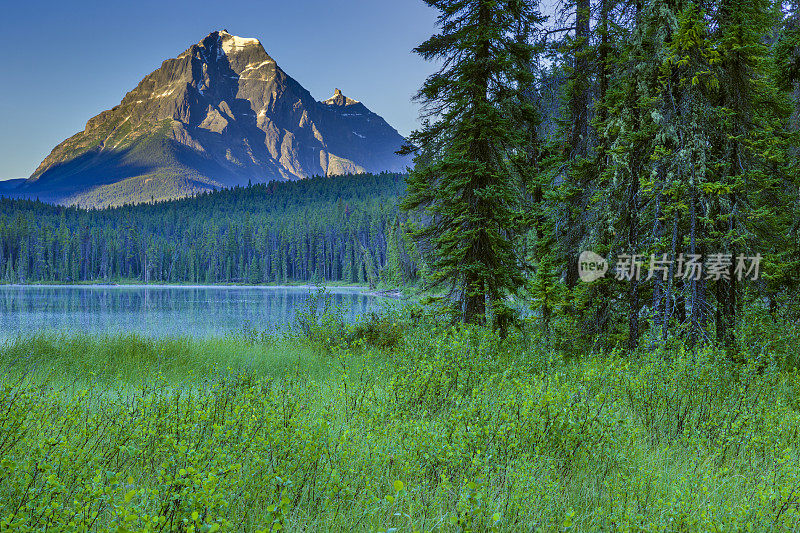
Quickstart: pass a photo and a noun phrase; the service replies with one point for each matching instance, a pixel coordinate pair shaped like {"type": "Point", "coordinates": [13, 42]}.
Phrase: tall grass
{"type": "Point", "coordinates": [394, 424]}
{"type": "Point", "coordinates": [133, 358]}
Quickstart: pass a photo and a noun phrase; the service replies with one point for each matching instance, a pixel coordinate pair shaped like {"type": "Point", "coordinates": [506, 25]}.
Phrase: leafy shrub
{"type": "Point", "coordinates": [319, 320]}
{"type": "Point", "coordinates": [378, 330]}
{"type": "Point", "coordinates": [450, 429]}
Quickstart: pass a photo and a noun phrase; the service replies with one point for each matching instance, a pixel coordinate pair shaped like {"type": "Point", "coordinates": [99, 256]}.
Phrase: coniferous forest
{"type": "Point", "coordinates": [656, 135]}
{"type": "Point", "coordinates": [340, 229]}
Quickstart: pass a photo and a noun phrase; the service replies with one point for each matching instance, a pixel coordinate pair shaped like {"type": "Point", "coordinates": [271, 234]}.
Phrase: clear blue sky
{"type": "Point", "coordinates": [64, 62]}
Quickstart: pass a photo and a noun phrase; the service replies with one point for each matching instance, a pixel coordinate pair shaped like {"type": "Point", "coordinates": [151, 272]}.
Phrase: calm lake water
{"type": "Point", "coordinates": [161, 311]}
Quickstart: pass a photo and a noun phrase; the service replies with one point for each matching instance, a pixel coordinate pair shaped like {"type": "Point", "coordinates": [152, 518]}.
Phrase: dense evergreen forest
{"type": "Point", "coordinates": [340, 229]}
{"type": "Point", "coordinates": [652, 133]}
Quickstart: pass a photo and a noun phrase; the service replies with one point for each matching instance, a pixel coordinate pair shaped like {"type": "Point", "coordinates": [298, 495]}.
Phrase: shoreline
{"type": "Point", "coordinates": [360, 288]}
{"type": "Point", "coordinates": [392, 294]}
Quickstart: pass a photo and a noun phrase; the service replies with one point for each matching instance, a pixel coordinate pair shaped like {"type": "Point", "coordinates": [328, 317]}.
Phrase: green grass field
{"type": "Point", "coordinates": [393, 425]}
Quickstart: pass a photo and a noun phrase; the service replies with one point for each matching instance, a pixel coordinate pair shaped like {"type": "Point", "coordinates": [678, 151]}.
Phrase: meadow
{"type": "Point", "coordinates": [399, 423]}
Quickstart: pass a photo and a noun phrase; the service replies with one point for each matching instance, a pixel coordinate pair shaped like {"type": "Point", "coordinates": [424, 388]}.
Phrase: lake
{"type": "Point", "coordinates": [198, 311]}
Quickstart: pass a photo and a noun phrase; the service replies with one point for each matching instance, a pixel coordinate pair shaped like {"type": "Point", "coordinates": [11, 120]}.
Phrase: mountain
{"type": "Point", "coordinates": [222, 113]}
{"type": "Point", "coordinates": [10, 185]}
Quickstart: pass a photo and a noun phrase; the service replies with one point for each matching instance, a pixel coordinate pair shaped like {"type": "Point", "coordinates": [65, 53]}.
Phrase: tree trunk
{"type": "Point", "coordinates": [794, 22]}
{"type": "Point", "coordinates": [579, 128]}
{"type": "Point", "coordinates": [474, 306]}
{"type": "Point", "coordinates": [633, 245]}
{"type": "Point", "coordinates": [697, 301]}
{"type": "Point", "coordinates": [475, 286]}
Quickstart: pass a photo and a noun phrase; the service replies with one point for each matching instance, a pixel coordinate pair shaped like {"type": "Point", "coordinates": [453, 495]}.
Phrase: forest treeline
{"type": "Point", "coordinates": [342, 229]}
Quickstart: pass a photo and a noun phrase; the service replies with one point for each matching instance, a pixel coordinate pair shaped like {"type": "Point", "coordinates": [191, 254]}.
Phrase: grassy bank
{"type": "Point", "coordinates": [391, 426]}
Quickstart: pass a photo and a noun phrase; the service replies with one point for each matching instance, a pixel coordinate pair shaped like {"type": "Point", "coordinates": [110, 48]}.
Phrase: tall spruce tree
{"type": "Point", "coordinates": [466, 180]}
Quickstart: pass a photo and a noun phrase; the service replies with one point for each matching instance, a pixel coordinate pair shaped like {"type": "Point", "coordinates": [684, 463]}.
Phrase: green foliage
{"type": "Point", "coordinates": [689, 149]}
{"type": "Point", "coordinates": [323, 324]}
{"type": "Point", "coordinates": [787, 58]}
{"type": "Point", "coordinates": [378, 330]}
{"type": "Point", "coordinates": [448, 429]}
{"type": "Point", "coordinates": [464, 180]}
{"type": "Point", "coordinates": [319, 320]}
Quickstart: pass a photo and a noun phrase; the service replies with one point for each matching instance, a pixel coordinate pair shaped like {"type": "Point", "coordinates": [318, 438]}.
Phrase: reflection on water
{"type": "Point", "coordinates": [159, 311]}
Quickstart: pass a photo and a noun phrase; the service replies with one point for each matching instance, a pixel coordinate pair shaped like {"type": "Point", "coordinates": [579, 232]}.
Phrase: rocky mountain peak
{"type": "Point", "coordinates": [338, 99]}
{"type": "Point", "coordinates": [221, 113]}
{"type": "Point", "coordinates": [231, 43]}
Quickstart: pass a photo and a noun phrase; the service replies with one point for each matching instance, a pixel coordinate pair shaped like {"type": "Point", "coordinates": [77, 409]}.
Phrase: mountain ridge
{"type": "Point", "coordinates": [222, 113]}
